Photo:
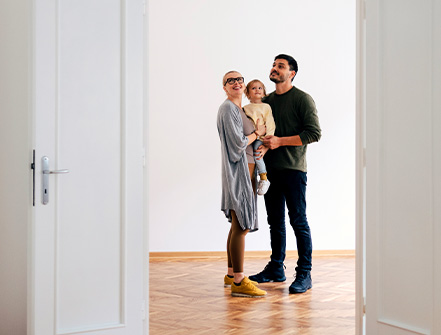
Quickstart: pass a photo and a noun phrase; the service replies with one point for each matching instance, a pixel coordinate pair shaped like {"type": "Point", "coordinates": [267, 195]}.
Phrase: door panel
{"type": "Point", "coordinates": [88, 240]}
{"type": "Point", "coordinates": [89, 215]}
{"type": "Point", "coordinates": [401, 167]}
{"type": "Point", "coordinates": [406, 173]}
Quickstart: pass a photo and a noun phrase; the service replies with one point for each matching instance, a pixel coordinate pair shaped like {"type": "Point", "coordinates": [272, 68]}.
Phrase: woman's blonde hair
{"type": "Point", "coordinates": [247, 89]}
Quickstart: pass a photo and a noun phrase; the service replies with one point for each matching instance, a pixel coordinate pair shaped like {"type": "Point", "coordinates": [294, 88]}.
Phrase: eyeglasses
{"type": "Point", "coordinates": [231, 81]}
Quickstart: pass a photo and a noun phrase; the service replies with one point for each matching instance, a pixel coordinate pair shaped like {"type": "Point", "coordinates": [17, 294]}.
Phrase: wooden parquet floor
{"type": "Point", "coordinates": [187, 297]}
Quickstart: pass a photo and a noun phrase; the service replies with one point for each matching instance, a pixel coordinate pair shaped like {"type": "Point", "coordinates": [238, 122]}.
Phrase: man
{"type": "Point", "coordinates": [297, 125]}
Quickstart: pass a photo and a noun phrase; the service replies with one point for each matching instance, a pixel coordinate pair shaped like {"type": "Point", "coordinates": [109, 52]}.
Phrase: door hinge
{"type": "Point", "coordinates": [33, 177]}
{"type": "Point", "coordinates": [143, 157]}
{"type": "Point", "coordinates": [143, 310]}
{"type": "Point", "coordinates": [143, 8]}
{"type": "Point", "coordinates": [364, 305]}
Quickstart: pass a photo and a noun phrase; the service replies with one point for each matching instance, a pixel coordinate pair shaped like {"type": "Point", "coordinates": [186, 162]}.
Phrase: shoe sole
{"type": "Point", "coordinates": [242, 295]}
{"type": "Point", "coordinates": [278, 280]}
{"type": "Point", "coordinates": [295, 292]}
{"type": "Point", "coordinates": [229, 285]}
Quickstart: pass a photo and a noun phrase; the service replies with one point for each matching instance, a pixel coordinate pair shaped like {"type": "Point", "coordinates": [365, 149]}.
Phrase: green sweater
{"type": "Point", "coordinates": [295, 114]}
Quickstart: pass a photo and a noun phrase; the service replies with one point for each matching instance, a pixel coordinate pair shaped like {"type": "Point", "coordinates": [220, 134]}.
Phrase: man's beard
{"type": "Point", "coordinates": [275, 80]}
{"type": "Point", "coordinates": [278, 80]}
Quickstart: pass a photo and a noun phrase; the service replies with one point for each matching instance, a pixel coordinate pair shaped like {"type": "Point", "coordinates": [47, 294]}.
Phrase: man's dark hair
{"type": "Point", "coordinates": [291, 62]}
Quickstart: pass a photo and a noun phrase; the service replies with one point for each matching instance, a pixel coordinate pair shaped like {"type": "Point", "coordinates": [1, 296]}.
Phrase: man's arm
{"type": "Point", "coordinates": [273, 142]}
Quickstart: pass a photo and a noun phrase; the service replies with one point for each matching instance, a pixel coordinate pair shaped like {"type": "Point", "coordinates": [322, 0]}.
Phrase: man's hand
{"type": "Point", "coordinates": [272, 142]}
{"type": "Point", "coordinates": [260, 152]}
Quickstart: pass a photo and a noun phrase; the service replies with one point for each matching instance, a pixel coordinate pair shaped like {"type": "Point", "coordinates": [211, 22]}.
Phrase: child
{"type": "Point", "coordinates": [255, 91]}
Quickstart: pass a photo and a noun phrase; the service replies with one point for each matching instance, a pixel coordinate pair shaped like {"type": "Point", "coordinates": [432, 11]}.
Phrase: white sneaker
{"type": "Point", "coordinates": [263, 186]}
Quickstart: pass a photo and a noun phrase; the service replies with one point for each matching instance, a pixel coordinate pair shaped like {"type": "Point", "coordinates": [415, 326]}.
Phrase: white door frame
{"type": "Point", "coordinates": [360, 168]}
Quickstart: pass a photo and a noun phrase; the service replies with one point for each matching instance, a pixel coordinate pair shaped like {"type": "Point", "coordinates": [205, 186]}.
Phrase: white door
{"type": "Point", "coordinates": [403, 164]}
{"type": "Point", "coordinates": [87, 241]}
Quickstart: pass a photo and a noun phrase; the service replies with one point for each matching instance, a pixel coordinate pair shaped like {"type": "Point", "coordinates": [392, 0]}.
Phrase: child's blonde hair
{"type": "Point", "coordinates": [251, 83]}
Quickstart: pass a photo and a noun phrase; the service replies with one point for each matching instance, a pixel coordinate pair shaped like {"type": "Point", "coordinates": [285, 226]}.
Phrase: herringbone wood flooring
{"type": "Point", "coordinates": [187, 297]}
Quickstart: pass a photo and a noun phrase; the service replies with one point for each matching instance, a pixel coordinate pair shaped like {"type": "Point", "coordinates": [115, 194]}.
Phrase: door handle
{"type": "Point", "coordinates": [56, 171]}
{"type": "Point", "coordinates": [46, 173]}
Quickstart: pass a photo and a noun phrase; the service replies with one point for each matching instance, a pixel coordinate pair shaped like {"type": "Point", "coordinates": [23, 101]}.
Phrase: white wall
{"type": "Point", "coordinates": [15, 173]}
{"type": "Point", "coordinates": [191, 45]}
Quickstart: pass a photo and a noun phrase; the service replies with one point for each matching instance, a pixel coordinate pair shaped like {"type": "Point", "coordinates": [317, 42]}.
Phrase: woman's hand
{"type": "Point", "coordinates": [260, 128]}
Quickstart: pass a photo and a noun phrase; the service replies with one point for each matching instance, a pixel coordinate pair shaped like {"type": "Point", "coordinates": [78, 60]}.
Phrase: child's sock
{"type": "Point", "coordinates": [263, 176]}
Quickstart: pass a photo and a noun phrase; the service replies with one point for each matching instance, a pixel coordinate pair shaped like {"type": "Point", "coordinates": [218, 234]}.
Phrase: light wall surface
{"type": "Point", "coordinates": [16, 155]}
{"type": "Point", "coordinates": [191, 45]}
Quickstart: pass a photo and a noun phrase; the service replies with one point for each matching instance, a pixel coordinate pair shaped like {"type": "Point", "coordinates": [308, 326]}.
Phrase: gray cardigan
{"type": "Point", "coordinates": [237, 192]}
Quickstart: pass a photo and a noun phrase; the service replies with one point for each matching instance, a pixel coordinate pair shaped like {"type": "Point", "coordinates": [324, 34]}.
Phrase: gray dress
{"type": "Point", "coordinates": [237, 191]}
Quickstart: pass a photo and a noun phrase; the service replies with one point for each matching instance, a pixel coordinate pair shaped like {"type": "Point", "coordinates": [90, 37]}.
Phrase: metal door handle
{"type": "Point", "coordinates": [56, 171]}
{"type": "Point", "coordinates": [46, 173]}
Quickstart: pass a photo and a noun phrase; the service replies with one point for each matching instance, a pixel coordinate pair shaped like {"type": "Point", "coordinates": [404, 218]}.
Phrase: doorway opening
{"type": "Point", "coordinates": [192, 44]}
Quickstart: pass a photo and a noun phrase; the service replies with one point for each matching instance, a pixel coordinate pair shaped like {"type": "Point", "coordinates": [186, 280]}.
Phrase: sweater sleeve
{"type": "Point", "coordinates": [269, 121]}
{"type": "Point", "coordinates": [231, 130]}
{"type": "Point", "coordinates": [311, 126]}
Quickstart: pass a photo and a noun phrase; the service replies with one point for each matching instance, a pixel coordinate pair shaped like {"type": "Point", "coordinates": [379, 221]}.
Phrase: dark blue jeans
{"type": "Point", "coordinates": [288, 187]}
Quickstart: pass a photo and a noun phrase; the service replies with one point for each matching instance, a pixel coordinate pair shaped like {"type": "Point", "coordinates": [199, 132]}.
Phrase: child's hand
{"type": "Point", "coordinates": [260, 128]}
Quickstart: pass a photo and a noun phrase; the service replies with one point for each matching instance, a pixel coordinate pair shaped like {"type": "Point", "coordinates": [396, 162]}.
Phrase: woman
{"type": "Point", "coordinates": [236, 133]}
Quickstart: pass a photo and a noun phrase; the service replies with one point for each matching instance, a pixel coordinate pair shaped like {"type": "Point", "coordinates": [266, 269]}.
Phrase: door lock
{"type": "Point", "coordinates": [46, 173]}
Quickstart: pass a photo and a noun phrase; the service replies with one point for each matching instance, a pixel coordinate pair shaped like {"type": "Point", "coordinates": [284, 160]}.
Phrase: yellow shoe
{"type": "Point", "coordinates": [228, 281]}
{"type": "Point", "coordinates": [247, 289]}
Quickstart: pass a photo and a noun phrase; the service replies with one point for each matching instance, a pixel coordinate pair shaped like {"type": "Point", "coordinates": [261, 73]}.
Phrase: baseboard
{"type": "Point", "coordinates": [259, 254]}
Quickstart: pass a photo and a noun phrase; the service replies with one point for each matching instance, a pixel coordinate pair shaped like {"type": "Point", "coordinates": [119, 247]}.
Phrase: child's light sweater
{"type": "Point", "coordinates": [262, 112]}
